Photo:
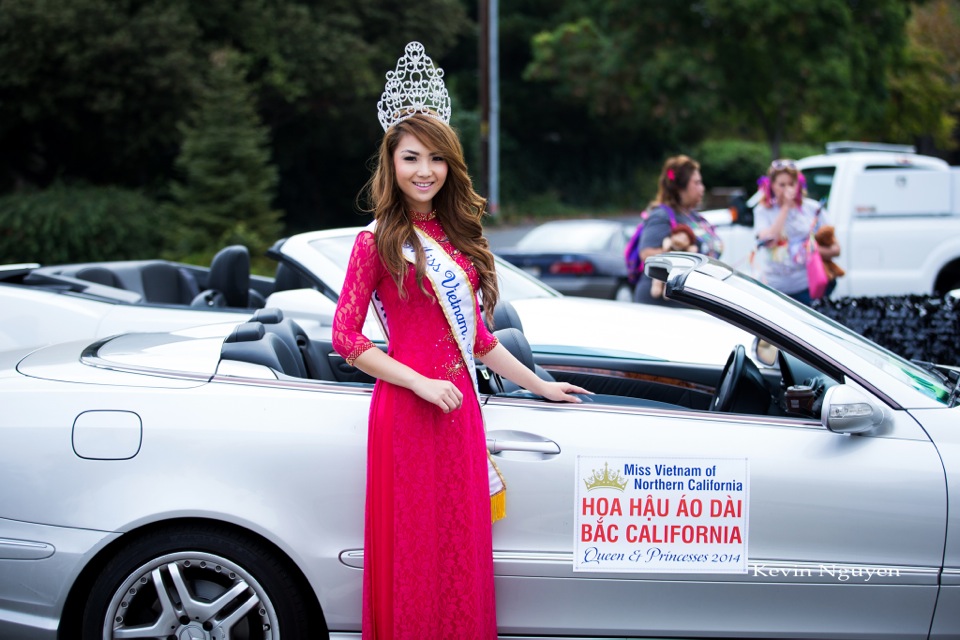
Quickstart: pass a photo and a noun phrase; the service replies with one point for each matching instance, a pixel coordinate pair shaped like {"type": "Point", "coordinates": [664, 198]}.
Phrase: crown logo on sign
{"type": "Point", "coordinates": [415, 86]}
{"type": "Point", "coordinates": [606, 480]}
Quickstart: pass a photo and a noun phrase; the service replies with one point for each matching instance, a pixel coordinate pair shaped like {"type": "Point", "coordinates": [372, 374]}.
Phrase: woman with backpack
{"type": "Point", "coordinates": [679, 194]}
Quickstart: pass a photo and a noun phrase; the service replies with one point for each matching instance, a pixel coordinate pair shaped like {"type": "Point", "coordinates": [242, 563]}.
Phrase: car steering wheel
{"type": "Point", "coordinates": [732, 370]}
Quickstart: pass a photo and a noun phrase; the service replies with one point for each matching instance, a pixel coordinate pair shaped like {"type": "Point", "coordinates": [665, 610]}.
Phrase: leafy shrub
{"type": "Point", "coordinates": [66, 223]}
{"type": "Point", "coordinates": [738, 163]}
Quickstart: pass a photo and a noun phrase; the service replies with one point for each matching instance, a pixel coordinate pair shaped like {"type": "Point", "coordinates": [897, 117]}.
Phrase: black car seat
{"type": "Point", "coordinates": [315, 362]}
{"type": "Point", "coordinates": [250, 342]}
{"type": "Point", "coordinates": [99, 275]}
{"type": "Point", "coordinates": [516, 343]}
{"type": "Point", "coordinates": [228, 282]}
{"type": "Point", "coordinates": [287, 278]}
{"type": "Point", "coordinates": [165, 283]}
{"type": "Point", "coordinates": [505, 316]}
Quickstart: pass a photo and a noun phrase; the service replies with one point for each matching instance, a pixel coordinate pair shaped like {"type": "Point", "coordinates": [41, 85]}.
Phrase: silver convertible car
{"type": "Point", "coordinates": [209, 483]}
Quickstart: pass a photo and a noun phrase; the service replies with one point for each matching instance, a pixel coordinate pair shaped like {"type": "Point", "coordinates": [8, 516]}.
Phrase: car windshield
{"type": "Point", "coordinates": [567, 237]}
{"type": "Point", "coordinates": [514, 283]}
{"type": "Point", "coordinates": [897, 367]}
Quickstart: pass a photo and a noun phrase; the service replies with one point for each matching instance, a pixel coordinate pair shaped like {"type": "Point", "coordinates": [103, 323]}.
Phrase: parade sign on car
{"type": "Point", "coordinates": [663, 515]}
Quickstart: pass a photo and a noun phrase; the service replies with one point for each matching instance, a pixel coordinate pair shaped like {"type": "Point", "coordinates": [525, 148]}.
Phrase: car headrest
{"type": "Point", "coordinates": [230, 275]}
{"type": "Point", "coordinates": [505, 316]}
{"type": "Point", "coordinates": [246, 332]}
{"type": "Point", "coordinates": [268, 315]}
{"type": "Point", "coordinates": [288, 278]}
{"type": "Point", "coordinates": [516, 343]}
{"type": "Point", "coordinates": [99, 275]}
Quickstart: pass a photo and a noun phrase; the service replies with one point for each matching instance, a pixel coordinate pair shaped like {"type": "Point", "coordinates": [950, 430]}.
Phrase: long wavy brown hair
{"type": "Point", "coordinates": [459, 208]}
{"type": "Point", "coordinates": [674, 178]}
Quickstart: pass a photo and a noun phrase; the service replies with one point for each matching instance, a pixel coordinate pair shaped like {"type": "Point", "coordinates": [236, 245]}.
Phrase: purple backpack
{"type": "Point", "coordinates": [632, 251]}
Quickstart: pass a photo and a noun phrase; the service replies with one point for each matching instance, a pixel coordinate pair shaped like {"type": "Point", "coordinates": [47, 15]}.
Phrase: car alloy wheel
{"type": "Point", "coordinates": [194, 585]}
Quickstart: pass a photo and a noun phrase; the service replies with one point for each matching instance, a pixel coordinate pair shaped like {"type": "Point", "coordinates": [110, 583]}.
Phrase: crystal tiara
{"type": "Point", "coordinates": [415, 86]}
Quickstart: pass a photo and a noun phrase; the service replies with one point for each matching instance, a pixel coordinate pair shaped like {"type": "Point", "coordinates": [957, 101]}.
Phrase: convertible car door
{"type": "Point", "coordinates": [843, 534]}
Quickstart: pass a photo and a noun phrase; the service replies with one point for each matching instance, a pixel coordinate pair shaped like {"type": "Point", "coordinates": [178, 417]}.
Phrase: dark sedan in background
{"type": "Point", "coordinates": [576, 257]}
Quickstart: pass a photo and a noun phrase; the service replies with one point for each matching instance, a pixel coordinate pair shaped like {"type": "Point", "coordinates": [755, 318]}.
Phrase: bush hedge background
{"type": "Point", "coordinates": [79, 223]}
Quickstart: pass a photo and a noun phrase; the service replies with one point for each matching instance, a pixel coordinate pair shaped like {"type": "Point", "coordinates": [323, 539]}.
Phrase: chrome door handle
{"type": "Point", "coordinates": [543, 446]}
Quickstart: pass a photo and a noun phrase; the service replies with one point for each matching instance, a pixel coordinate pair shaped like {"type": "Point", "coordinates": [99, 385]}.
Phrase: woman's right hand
{"type": "Point", "coordinates": [442, 393]}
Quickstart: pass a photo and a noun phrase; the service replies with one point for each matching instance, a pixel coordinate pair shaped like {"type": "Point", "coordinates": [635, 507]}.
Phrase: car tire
{"type": "Point", "coordinates": [624, 293]}
{"type": "Point", "coordinates": [212, 578]}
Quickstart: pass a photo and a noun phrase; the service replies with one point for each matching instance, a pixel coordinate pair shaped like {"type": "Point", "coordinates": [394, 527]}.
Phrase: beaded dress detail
{"type": "Point", "coordinates": [428, 556]}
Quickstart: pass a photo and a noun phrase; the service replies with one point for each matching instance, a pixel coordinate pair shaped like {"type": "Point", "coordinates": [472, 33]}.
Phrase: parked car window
{"type": "Point", "coordinates": [568, 238]}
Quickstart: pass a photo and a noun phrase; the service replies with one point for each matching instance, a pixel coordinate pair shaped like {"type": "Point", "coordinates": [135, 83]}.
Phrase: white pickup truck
{"type": "Point", "coordinates": [896, 213]}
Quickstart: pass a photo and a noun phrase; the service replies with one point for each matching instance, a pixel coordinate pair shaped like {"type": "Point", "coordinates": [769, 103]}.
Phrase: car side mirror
{"type": "Point", "coordinates": [849, 410]}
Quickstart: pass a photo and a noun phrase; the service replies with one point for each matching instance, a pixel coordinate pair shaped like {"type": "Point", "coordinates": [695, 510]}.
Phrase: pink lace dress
{"type": "Point", "coordinates": [428, 557]}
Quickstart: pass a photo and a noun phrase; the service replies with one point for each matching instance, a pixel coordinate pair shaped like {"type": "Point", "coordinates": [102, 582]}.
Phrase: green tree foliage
{"type": "Point", "coordinates": [925, 85]}
{"type": "Point", "coordinates": [227, 182]}
{"type": "Point", "coordinates": [807, 69]}
{"type": "Point", "coordinates": [93, 89]}
{"type": "Point", "coordinates": [594, 93]}
{"type": "Point", "coordinates": [634, 67]}
{"type": "Point", "coordinates": [769, 66]}
{"type": "Point", "coordinates": [738, 163]}
{"type": "Point", "coordinates": [552, 149]}
{"type": "Point", "coordinates": [312, 73]}
{"type": "Point", "coordinates": [78, 223]}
